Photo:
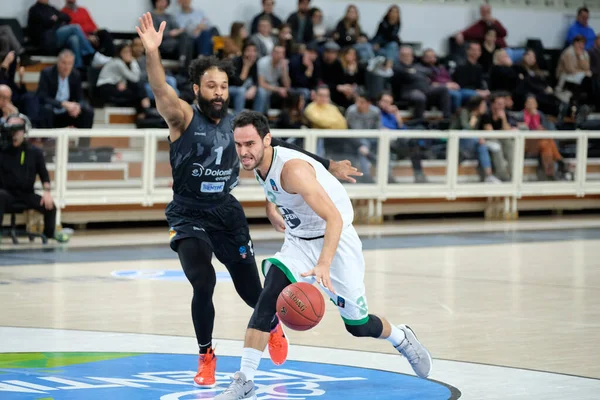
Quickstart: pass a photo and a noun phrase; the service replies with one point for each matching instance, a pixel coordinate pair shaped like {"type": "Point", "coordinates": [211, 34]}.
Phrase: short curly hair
{"type": "Point", "coordinates": [203, 63]}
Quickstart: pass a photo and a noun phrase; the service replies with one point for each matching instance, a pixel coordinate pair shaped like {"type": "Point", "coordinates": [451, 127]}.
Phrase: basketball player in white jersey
{"type": "Point", "coordinates": [320, 244]}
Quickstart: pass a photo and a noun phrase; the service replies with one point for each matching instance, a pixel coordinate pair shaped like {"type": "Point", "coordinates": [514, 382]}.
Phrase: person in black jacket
{"type": "Point", "coordinates": [20, 164]}
{"type": "Point", "coordinates": [349, 33]}
{"type": "Point", "coordinates": [49, 30]}
{"type": "Point", "coordinates": [301, 23]}
{"type": "Point", "coordinates": [61, 95]}
{"type": "Point", "coordinates": [267, 12]}
{"type": "Point", "coordinates": [387, 39]}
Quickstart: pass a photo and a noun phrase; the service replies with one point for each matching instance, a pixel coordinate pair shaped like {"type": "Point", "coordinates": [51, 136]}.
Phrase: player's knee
{"type": "Point", "coordinates": [372, 328]}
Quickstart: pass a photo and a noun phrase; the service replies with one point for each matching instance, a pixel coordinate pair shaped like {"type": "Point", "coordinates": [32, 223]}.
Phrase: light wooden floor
{"type": "Point", "coordinates": [528, 305]}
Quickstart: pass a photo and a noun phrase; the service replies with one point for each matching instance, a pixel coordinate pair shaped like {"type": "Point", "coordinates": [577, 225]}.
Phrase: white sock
{"type": "Point", "coordinates": [396, 337]}
{"type": "Point", "coordinates": [250, 360]}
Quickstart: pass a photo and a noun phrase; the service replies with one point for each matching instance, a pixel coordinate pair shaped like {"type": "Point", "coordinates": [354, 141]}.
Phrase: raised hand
{"type": "Point", "coordinates": [151, 39]}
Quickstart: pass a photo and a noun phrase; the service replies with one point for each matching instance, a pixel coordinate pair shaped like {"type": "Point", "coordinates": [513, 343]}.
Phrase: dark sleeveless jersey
{"type": "Point", "coordinates": [204, 162]}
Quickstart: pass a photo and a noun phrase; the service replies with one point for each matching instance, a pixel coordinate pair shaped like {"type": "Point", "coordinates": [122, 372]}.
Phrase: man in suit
{"type": "Point", "coordinates": [61, 94]}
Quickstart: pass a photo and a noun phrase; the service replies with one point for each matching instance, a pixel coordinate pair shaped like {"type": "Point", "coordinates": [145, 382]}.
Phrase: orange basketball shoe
{"type": "Point", "coordinates": [278, 345]}
{"type": "Point", "coordinates": [207, 365]}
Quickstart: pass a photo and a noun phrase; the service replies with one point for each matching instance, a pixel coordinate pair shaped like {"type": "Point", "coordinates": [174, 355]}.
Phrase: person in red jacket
{"type": "Point", "coordinates": [101, 39]}
{"type": "Point", "coordinates": [476, 32]}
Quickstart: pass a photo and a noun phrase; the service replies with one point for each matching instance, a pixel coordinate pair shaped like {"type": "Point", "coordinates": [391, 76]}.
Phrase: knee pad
{"type": "Point", "coordinates": [372, 328]}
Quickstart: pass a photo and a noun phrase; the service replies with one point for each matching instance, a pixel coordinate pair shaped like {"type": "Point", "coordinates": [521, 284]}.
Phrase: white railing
{"type": "Point", "coordinates": [146, 193]}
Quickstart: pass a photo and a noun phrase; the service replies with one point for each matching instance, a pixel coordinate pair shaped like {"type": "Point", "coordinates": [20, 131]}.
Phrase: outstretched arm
{"type": "Point", "coordinates": [340, 169]}
{"type": "Point", "coordinates": [176, 112]}
{"type": "Point", "coordinates": [298, 176]}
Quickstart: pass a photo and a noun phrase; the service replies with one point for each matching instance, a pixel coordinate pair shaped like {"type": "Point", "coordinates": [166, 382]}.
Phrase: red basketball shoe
{"type": "Point", "coordinates": [278, 345]}
{"type": "Point", "coordinates": [207, 366]}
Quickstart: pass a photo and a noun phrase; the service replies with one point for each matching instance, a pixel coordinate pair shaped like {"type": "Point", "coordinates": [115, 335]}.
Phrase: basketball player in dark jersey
{"type": "Point", "coordinates": [204, 217]}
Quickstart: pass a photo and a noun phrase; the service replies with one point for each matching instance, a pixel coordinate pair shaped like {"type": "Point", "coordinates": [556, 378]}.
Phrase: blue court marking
{"type": "Point", "coordinates": [169, 377]}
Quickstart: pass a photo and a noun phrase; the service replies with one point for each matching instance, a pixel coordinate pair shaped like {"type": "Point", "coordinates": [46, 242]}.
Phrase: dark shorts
{"type": "Point", "coordinates": [224, 227]}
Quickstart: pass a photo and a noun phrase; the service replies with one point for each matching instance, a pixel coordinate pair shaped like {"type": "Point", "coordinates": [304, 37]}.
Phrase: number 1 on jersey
{"type": "Point", "coordinates": [219, 151]}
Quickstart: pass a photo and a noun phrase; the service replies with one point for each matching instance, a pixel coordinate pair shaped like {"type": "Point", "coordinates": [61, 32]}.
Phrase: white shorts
{"type": "Point", "coordinates": [347, 271]}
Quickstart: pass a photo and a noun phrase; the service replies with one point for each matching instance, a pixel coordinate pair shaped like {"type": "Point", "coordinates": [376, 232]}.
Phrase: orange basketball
{"type": "Point", "coordinates": [300, 306]}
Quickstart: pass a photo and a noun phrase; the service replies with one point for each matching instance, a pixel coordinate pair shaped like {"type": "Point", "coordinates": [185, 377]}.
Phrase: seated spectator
{"type": "Point", "coordinates": [9, 42]}
{"type": "Point", "coordinates": [319, 28]}
{"type": "Point", "coordinates": [322, 114]}
{"type": "Point", "coordinates": [305, 71]}
{"type": "Point", "coordinates": [502, 149]}
{"type": "Point", "coordinates": [581, 28]}
{"type": "Point", "coordinates": [387, 40]}
{"type": "Point", "coordinates": [292, 113]}
{"type": "Point", "coordinates": [100, 39]}
{"type": "Point", "coordinates": [411, 83]}
{"type": "Point", "coordinates": [244, 85]}
{"type": "Point", "coordinates": [285, 39]}
{"type": "Point", "coordinates": [353, 77]}
{"type": "Point", "coordinates": [267, 6]}
{"type": "Point", "coordinates": [470, 75]}
{"type": "Point", "coordinates": [503, 75]}
{"type": "Point", "coordinates": [331, 69]}
{"type": "Point", "coordinates": [471, 118]}
{"type": "Point", "coordinates": [61, 95]}
{"type": "Point", "coordinates": [573, 72]}
{"type": "Point", "coordinates": [488, 48]}
{"type": "Point", "coordinates": [476, 32]}
{"type": "Point", "coordinates": [545, 149]}
{"type": "Point", "coordinates": [301, 23]}
{"type": "Point", "coordinates": [138, 52]}
{"type": "Point", "coordinates": [534, 81]}
{"type": "Point", "coordinates": [197, 26]}
{"type": "Point", "coordinates": [364, 115]}
{"type": "Point", "coordinates": [6, 106]}
{"type": "Point", "coordinates": [20, 165]}
{"type": "Point", "coordinates": [234, 43]}
{"type": "Point", "coordinates": [49, 30]}
{"type": "Point", "coordinates": [26, 102]}
{"type": "Point", "coordinates": [176, 42]}
{"type": "Point", "coordinates": [391, 118]}
{"type": "Point", "coordinates": [119, 82]}
{"type": "Point", "coordinates": [273, 75]}
{"type": "Point", "coordinates": [263, 39]}
{"type": "Point", "coordinates": [440, 76]}
{"type": "Point", "coordinates": [595, 58]}
{"type": "Point", "coordinates": [349, 33]}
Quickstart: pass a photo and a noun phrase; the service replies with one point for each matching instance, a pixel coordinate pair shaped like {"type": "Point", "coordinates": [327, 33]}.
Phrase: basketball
{"type": "Point", "coordinates": [300, 306]}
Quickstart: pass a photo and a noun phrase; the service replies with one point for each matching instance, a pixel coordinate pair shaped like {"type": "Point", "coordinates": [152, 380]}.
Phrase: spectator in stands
{"type": "Point", "coordinates": [387, 39]}
{"type": "Point", "coordinates": [305, 72]}
{"type": "Point", "coordinates": [322, 114]}
{"type": "Point", "coordinates": [285, 39]}
{"type": "Point", "coordinates": [573, 72]}
{"type": "Point", "coordinates": [595, 58]}
{"type": "Point", "coordinates": [477, 31]}
{"type": "Point", "coordinates": [332, 70]}
{"type": "Point", "coordinates": [61, 94]}
{"type": "Point", "coordinates": [301, 23]}
{"type": "Point", "coordinates": [49, 30]}
{"type": "Point", "coordinates": [9, 42]}
{"type": "Point", "coordinates": [292, 113]}
{"type": "Point", "coordinates": [119, 81]}
{"type": "Point", "coordinates": [100, 39]}
{"type": "Point", "coordinates": [234, 43]}
{"type": "Point", "coordinates": [267, 12]}
{"type": "Point", "coordinates": [488, 48]}
{"type": "Point", "coordinates": [352, 78]}
{"type": "Point", "coordinates": [391, 118]}
{"type": "Point", "coordinates": [20, 165]}
{"type": "Point", "coordinates": [581, 28]}
{"type": "Point", "coordinates": [176, 42]}
{"type": "Point", "coordinates": [319, 28]}
{"type": "Point", "coordinates": [503, 75]}
{"type": "Point", "coordinates": [349, 33]}
{"type": "Point", "coordinates": [470, 75]}
{"type": "Point", "coordinates": [197, 26]}
{"type": "Point", "coordinates": [440, 76]}
{"type": "Point", "coordinates": [138, 52]}
{"type": "Point", "coordinates": [470, 118]}
{"type": "Point", "coordinates": [26, 102]}
{"type": "Point", "coordinates": [364, 115]}
{"type": "Point", "coordinates": [411, 83]}
{"type": "Point", "coordinates": [244, 85]}
{"type": "Point", "coordinates": [273, 75]}
{"type": "Point", "coordinates": [502, 149]}
{"type": "Point", "coordinates": [6, 106]}
{"type": "Point", "coordinates": [263, 39]}
{"type": "Point", "coordinates": [534, 81]}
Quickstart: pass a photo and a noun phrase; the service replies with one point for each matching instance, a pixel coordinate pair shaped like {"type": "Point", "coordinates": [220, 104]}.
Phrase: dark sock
{"type": "Point", "coordinates": [274, 322]}
{"type": "Point", "coordinates": [204, 347]}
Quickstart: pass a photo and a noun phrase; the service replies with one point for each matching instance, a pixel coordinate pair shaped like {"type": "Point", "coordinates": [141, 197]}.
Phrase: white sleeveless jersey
{"type": "Point", "coordinates": [301, 220]}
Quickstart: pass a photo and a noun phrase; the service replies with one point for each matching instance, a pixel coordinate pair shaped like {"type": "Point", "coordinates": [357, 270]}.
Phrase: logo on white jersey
{"type": "Point", "coordinates": [290, 217]}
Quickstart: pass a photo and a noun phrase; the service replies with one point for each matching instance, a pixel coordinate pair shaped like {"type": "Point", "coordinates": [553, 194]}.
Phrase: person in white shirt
{"type": "Point", "coordinates": [197, 26]}
{"type": "Point", "coordinates": [263, 40]}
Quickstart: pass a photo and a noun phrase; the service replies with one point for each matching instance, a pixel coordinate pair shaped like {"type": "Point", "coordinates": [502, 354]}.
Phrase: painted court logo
{"type": "Point", "coordinates": [100, 376]}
